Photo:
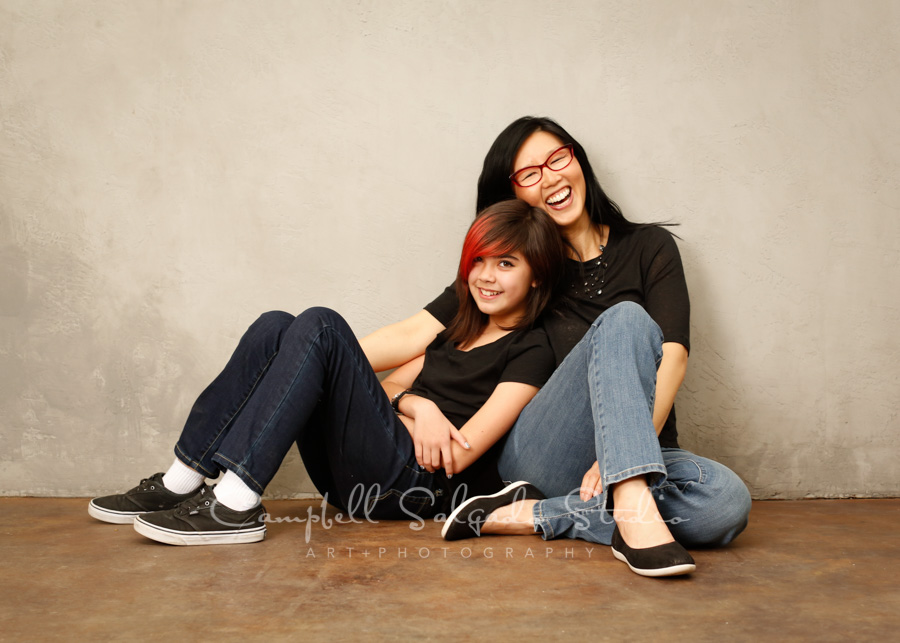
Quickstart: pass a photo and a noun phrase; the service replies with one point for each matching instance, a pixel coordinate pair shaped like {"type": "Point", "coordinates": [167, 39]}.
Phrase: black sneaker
{"type": "Point", "coordinates": [467, 519]}
{"type": "Point", "coordinates": [150, 495]}
{"type": "Point", "coordinates": [203, 520]}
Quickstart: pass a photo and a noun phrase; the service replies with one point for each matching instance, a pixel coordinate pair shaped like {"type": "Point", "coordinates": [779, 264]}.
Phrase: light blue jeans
{"type": "Point", "coordinates": [598, 405]}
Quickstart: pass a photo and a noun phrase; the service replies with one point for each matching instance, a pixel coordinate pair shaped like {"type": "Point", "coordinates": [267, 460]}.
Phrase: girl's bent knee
{"type": "Point", "coordinates": [318, 320]}
{"type": "Point", "coordinates": [273, 322]}
{"type": "Point", "coordinates": [322, 316]}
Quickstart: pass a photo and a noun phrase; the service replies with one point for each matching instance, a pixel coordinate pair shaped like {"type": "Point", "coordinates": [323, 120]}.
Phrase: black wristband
{"type": "Point", "coordinates": [395, 401]}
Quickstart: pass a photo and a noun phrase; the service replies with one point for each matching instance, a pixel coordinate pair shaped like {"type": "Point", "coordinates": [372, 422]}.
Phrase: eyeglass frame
{"type": "Point", "coordinates": [543, 165]}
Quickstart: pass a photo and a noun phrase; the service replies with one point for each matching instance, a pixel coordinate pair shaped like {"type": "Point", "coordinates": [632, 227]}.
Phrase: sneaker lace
{"type": "Point", "coordinates": [147, 484]}
{"type": "Point", "coordinates": [202, 498]}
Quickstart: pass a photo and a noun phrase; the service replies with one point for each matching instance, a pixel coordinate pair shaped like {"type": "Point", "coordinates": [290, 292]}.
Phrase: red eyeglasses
{"type": "Point", "coordinates": [558, 160]}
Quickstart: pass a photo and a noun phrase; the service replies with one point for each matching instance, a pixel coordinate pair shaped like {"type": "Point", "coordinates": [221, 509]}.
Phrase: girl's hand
{"type": "Point", "coordinates": [591, 484]}
{"type": "Point", "coordinates": [432, 435]}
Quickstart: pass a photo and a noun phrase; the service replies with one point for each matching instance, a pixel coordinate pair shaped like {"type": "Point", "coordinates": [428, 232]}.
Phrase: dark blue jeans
{"type": "Point", "coordinates": [306, 380]}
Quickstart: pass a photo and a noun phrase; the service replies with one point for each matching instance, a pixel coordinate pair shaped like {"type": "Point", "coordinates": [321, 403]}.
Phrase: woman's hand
{"type": "Point", "coordinates": [432, 434]}
{"type": "Point", "coordinates": [591, 484]}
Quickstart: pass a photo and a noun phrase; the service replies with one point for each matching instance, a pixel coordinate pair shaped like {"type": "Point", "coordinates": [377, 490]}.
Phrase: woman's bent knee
{"type": "Point", "coordinates": [727, 518]}
{"type": "Point", "coordinates": [709, 505]}
{"type": "Point", "coordinates": [626, 313]}
{"type": "Point", "coordinates": [627, 320]}
{"type": "Point", "coordinates": [731, 518]}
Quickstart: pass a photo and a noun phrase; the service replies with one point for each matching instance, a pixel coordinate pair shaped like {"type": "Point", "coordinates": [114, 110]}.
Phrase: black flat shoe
{"type": "Point", "coordinates": [670, 559]}
{"type": "Point", "coordinates": [467, 519]}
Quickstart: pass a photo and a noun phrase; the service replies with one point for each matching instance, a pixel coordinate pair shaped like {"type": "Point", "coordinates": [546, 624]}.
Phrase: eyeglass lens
{"type": "Point", "coordinates": [558, 160]}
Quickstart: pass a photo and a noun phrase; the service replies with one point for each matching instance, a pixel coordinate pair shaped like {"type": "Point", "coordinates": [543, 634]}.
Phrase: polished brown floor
{"type": "Point", "coordinates": [816, 570]}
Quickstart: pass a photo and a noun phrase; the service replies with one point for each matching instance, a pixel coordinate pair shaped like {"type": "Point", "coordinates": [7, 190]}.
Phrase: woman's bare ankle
{"type": "Point", "coordinates": [513, 519]}
{"type": "Point", "coordinates": [637, 516]}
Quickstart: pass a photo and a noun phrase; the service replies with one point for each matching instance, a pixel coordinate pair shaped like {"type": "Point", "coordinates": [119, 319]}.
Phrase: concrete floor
{"type": "Point", "coordinates": [823, 570]}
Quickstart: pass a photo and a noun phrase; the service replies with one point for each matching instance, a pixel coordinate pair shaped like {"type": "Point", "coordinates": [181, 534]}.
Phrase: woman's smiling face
{"type": "Point", "coordinates": [560, 194]}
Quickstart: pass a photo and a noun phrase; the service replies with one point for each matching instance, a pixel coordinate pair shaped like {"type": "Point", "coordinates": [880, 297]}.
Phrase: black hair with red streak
{"type": "Point", "coordinates": [508, 227]}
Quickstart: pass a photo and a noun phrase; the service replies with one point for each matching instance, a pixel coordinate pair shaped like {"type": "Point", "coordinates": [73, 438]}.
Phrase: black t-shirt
{"type": "Point", "coordinates": [643, 266]}
{"type": "Point", "coordinates": [460, 382]}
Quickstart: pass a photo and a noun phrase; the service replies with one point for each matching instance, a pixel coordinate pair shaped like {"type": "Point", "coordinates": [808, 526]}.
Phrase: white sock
{"type": "Point", "coordinates": [235, 494]}
{"type": "Point", "coordinates": [180, 478]}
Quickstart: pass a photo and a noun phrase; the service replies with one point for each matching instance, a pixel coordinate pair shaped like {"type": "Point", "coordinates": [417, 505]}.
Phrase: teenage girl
{"type": "Point", "coordinates": [393, 450]}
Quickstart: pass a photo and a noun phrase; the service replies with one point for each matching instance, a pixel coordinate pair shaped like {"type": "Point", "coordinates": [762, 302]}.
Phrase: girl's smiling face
{"type": "Point", "coordinates": [500, 287]}
{"type": "Point", "coordinates": [560, 194]}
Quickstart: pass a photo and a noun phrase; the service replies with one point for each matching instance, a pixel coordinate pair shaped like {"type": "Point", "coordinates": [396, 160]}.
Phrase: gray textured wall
{"type": "Point", "coordinates": [168, 170]}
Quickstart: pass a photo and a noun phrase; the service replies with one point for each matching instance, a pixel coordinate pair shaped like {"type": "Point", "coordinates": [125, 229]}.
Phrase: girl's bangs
{"type": "Point", "coordinates": [480, 242]}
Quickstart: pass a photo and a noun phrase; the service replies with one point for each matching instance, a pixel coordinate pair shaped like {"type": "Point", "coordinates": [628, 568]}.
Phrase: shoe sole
{"type": "Point", "coordinates": [112, 517]}
{"type": "Point", "coordinates": [452, 517]}
{"type": "Point", "coordinates": [171, 537]}
{"type": "Point", "coordinates": [674, 570]}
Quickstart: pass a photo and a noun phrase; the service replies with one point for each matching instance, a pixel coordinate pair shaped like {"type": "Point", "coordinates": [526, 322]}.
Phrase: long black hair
{"type": "Point", "coordinates": [495, 185]}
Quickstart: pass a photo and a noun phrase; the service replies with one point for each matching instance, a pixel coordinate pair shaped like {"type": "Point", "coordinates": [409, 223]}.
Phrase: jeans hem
{"type": "Point", "coordinates": [633, 472]}
{"type": "Point", "coordinates": [189, 462]}
{"type": "Point", "coordinates": [545, 522]}
{"type": "Point", "coordinates": [239, 471]}
{"type": "Point", "coordinates": [541, 523]}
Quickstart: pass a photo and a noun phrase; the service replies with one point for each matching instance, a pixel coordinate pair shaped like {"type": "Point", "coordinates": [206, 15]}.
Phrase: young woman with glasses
{"type": "Point", "coordinates": [600, 437]}
{"type": "Point", "coordinates": [391, 450]}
